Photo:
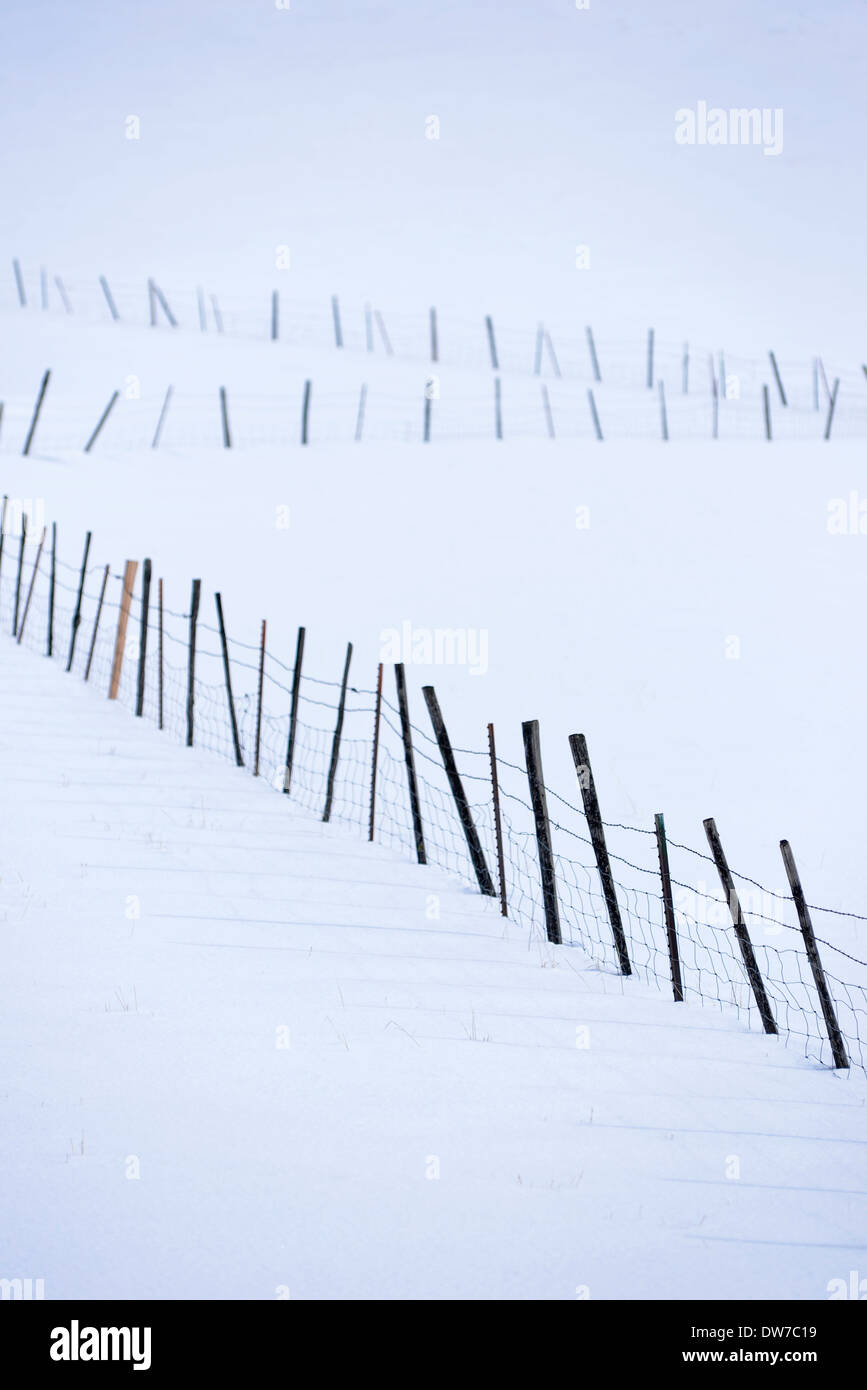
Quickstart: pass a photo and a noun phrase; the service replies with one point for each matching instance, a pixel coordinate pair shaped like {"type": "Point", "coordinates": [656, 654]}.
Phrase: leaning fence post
{"type": "Point", "coordinates": [335, 314]}
{"type": "Point", "coordinates": [100, 422]}
{"type": "Point", "coordinates": [741, 931]}
{"type": "Point", "coordinates": [143, 638]}
{"type": "Point", "coordinates": [338, 731]}
{"type": "Point", "coordinates": [546, 406]}
{"type": "Point", "coordinates": [533, 758]}
{"type": "Point", "coordinates": [36, 409]}
{"type": "Point", "coordinates": [377, 714]}
{"type": "Point", "coordinates": [21, 546]}
{"type": "Point", "coordinates": [129, 574]}
{"type": "Point", "coordinates": [766, 399]}
{"type": "Point", "coordinates": [594, 361]}
{"type": "Point", "coordinates": [778, 378]}
{"type": "Point", "coordinates": [831, 404]}
{"type": "Point", "coordinates": [581, 759]}
{"type": "Point", "coordinates": [293, 709]}
{"type": "Point", "coordinates": [236, 742]}
{"type": "Point", "coordinates": [161, 421]}
{"type": "Point", "coordinates": [835, 1037]}
{"type": "Point", "coordinates": [474, 845]}
{"type": "Point", "coordinates": [108, 298]}
{"type": "Point", "coordinates": [218, 317]}
{"type": "Point", "coordinates": [492, 346]}
{"type": "Point", "coordinates": [498, 822]}
{"type": "Point", "coordinates": [409, 756]}
{"type": "Point", "coordinates": [161, 299]}
{"type": "Point", "coordinates": [259, 700]}
{"type": "Point", "coordinates": [383, 333]}
{"type": "Point", "coordinates": [52, 580]}
{"type": "Point", "coordinates": [19, 283]}
{"type": "Point", "coordinates": [224, 417]}
{"type": "Point", "coordinates": [96, 625]}
{"type": "Point", "coordinates": [191, 663]}
{"type": "Point", "coordinates": [160, 654]}
{"type": "Point", "coordinates": [668, 906]}
{"type": "Point", "coordinates": [305, 412]}
{"type": "Point", "coordinates": [594, 412]}
{"type": "Point", "coordinates": [31, 585]}
{"type": "Point", "coordinates": [359, 419]}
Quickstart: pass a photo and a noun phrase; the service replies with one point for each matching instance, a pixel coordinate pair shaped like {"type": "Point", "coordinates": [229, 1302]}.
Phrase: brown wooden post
{"type": "Point", "coordinates": [409, 758]}
{"type": "Point", "coordinates": [539, 800]}
{"type": "Point", "coordinates": [227, 673]}
{"type": "Point", "coordinates": [668, 907]}
{"type": "Point", "coordinates": [498, 822]}
{"type": "Point", "coordinates": [143, 638]}
{"type": "Point", "coordinates": [76, 617]}
{"type": "Point", "coordinates": [581, 759]}
{"type": "Point", "coordinates": [259, 700]}
{"type": "Point", "coordinates": [129, 574]}
{"type": "Point", "coordinates": [31, 585]}
{"type": "Point", "coordinates": [835, 1037]}
{"type": "Point", "coordinates": [191, 661]}
{"type": "Point", "coordinates": [96, 625]}
{"type": "Point", "coordinates": [751, 965]}
{"type": "Point", "coordinates": [375, 759]}
{"type": "Point", "coordinates": [338, 731]}
{"type": "Point", "coordinates": [465, 815]}
{"type": "Point", "coordinates": [293, 709]}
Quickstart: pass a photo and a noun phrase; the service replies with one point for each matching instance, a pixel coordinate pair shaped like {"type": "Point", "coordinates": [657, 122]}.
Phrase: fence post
{"type": "Point", "coordinates": [36, 409]}
{"type": "Point", "coordinates": [492, 346]}
{"type": "Point", "coordinates": [831, 404]}
{"type": "Point", "coordinates": [409, 756]}
{"type": "Point", "coordinates": [546, 405]}
{"type": "Point", "coordinates": [293, 709]}
{"type": "Point", "coordinates": [662, 411]}
{"type": "Point", "coordinates": [540, 343]}
{"type": "Point", "coordinates": [129, 574]}
{"type": "Point", "coordinates": [19, 282]}
{"type": "Point", "coordinates": [684, 384]}
{"type": "Point", "coordinates": [95, 625]}
{"type": "Point", "coordinates": [305, 412]}
{"type": "Point", "coordinates": [368, 328]}
{"type": "Point", "coordinates": [498, 408]}
{"type": "Point", "coordinates": [835, 1037]}
{"type": "Point", "coordinates": [723, 381]}
{"type": "Point", "coordinates": [21, 546]}
{"type": "Point", "coordinates": [261, 684]}
{"type": "Point", "coordinates": [161, 299]}
{"type": "Point", "coordinates": [474, 845]}
{"type": "Point", "coordinates": [375, 759]}
{"type": "Point", "coordinates": [668, 905]}
{"type": "Point", "coordinates": [152, 304]}
{"type": "Point", "coordinates": [594, 361]}
{"type": "Point", "coordinates": [218, 317]}
{"type": "Point", "coordinates": [191, 664]}
{"type": "Point", "coordinates": [143, 638]}
{"type": "Point", "coordinates": [43, 287]}
{"type": "Point", "coordinates": [224, 416]}
{"type": "Point", "coordinates": [533, 758]}
{"type": "Point", "coordinates": [778, 378]}
{"type": "Point", "coordinates": [359, 422]}
{"type": "Point", "coordinates": [554, 363]}
{"type": "Point", "coordinates": [427, 415]}
{"type": "Point", "coordinates": [498, 822]}
{"type": "Point", "coordinates": [714, 428]}
{"type": "Point", "coordinates": [650, 359]}
{"type": "Point", "coordinates": [203, 316]}
{"type": "Point", "coordinates": [739, 921]}
{"type": "Point", "coordinates": [160, 655]}
{"type": "Point", "coordinates": [594, 412]}
{"type": "Point", "coordinates": [3, 510]}
{"type": "Point", "coordinates": [275, 316]}
{"type": "Point", "coordinates": [766, 398]}
{"type": "Point", "coordinates": [338, 731]}
{"type": "Point", "coordinates": [380, 323]}
{"type": "Point", "coordinates": [581, 759]}
{"type": "Point", "coordinates": [816, 383]}
{"type": "Point", "coordinates": [335, 314]}
{"type": "Point", "coordinates": [236, 742]}
{"type": "Point", "coordinates": [160, 422]}
{"type": "Point", "coordinates": [100, 422]}
{"type": "Point", "coordinates": [434, 345]}
{"type": "Point", "coordinates": [31, 585]}
{"type": "Point", "coordinates": [52, 580]}
{"type": "Point", "coordinates": [108, 298]}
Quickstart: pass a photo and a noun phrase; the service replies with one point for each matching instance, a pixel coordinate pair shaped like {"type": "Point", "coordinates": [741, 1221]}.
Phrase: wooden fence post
{"type": "Point", "coordinates": [224, 417]}
{"type": "Point", "coordinates": [143, 638]}
{"type": "Point", "coordinates": [831, 404]}
{"type": "Point", "coordinates": [552, 354]}
{"type": "Point", "coordinates": [96, 625]}
{"type": "Point", "coordinates": [540, 343]}
{"type": "Point", "coordinates": [741, 931]}
{"type": "Point", "coordinates": [498, 822]}
{"type": "Point", "coordinates": [52, 581]}
{"type": "Point", "coordinates": [100, 422]}
{"type": "Point", "coordinates": [409, 757]}
{"type": "Point", "coordinates": [203, 314]}
{"type": "Point", "coordinates": [359, 420]}
{"type": "Point", "coordinates": [275, 316]}
{"type": "Point", "coordinates": [594, 412]}
{"type": "Point", "coordinates": [129, 574]}
{"type": "Point", "coordinates": [539, 800]}
{"type": "Point", "coordinates": [191, 662]}
{"type": "Point", "coordinates": [427, 415]}
{"type": "Point", "coordinates": [161, 300]}
{"type": "Point", "coordinates": [36, 409]}
{"type": "Point", "coordinates": [161, 421]}
{"type": "Point", "coordinates": [21, 546]}
{"type": "Point", "coordinates": [386, 341]}
{"type": "Point", "coordinates": [76, 617]}
{"type": "Point", "coordinates": [31, 585]}
{"type": "Point", "coordinates": [19, 283]}
{"type": "Point", "coordinates": [581, 759]}
{"type": "Point", "coordinates": [778, 378]}
{"type": "Point", "coordinates": [723, 380]}
{"type": "Point", "coordinates": [43, 287]}
{"type": "Point", "coordinates": [650, 359]}
{"type": "Point", "coordinates": [305, 412]}
{"type": "Point", "coordinates": [492, 345]}
{"type": "Point", "coordinates": [218, 317]}
{"type": "Point", "coordinates": [434, 345]}
{"type": "Point", "coordinates": [227, 673]}
{"type": "Point", "coordinates": [3, 510]}
{"type": "Point", "coordinates": [594, 361]}
{"type": "Point", "coordinates": [498, 408]}
{"type": "Point", "coordinates": [668, 906]}
{"type": "Point", "coordinates": [662, 411]}
{"type": "Point", "coordinates": [546, 406]}
{"type": "Point", "coordinates": [375, 758]}
{"type": "Point", "coordinates": [338, 731]}
{"type": "Point", "coordinates": [152, 304]}
{"type": "Point", "coordinates": [261, 684]}
{"type": "Point", "coordinates": [474, 845]}
{"type": "Point", "coordinates": [766, 399]}
{"type": "Point", "coordinates": [160, 654]}
{"type": "Point", "coordinates": [368, 328]}
{"type": "Point", "coordinates": [684, 382]}
{"type": "Point", "coordinates": [835, 1037]}
{"type": "Point", "coordinates": [335, 314]}
{"type": "Point", "coordinates": [108, 298]}
{"type": "Point", "coordinates": [293, 709]}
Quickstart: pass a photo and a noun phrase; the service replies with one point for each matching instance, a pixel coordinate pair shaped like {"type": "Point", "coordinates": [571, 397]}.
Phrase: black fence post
{"type": "Point", "coordinates": [581, 759]}
{"type": "Point", "coordinates": [109, 298]}
{"type": "Point", "coordinates": [492, 345]}
{"type": "Point", "coordinates": [835, 1037]}
{"type": "Point", "coordinates": [224, 417]}
{"type": "Point", "coordinates": [663, 413]}
{"type": "Point", "coordinates": [594, 360]}
{"type": "Point", "coordinates": [498, 822]}
{"type": "Point", "coordinates": [831, 404]}
{"type": "Point", "coordinates": [43, 387]}
{"type": "Point", "coordinates": [766, 402]}
{"type": "Point", "coordinates": [335, 314]}
{"type": "Point", "coordinates": [474, 845]}
{"type": "Point", "coordinates": [409, 756]}
{"type": "Point", "coordinates": [143, 638]}
{"type": "Point", "coordinates": [305, 412]}
{"type": "Point", "coordinates": [668, 907]}
{"type": "Point", "coordinates": [259, 693]}
{"type": "Point", "coordinates": [227, 673]}
{"type": "Point", "coordinates": [99, 604]}
{"type": "Point", "coordinates": [539, 800]}
{"type": "Point", "coordinates": [21, 546]}
{"type": "Point", "coordinates": [650, 359]}
{"type": "Point", "coordinates": [52, 580]}
{"type": "Point", "coordinates": [741, 931]}
{"type": "Point", "coordinates": [377, 715]}
{"type": "Point", "coordinates": [293, 709]}
{"type": "Point", "coordinates": [160, 654]}
{"type": "Point", "coordinates": [76, 617]}
{"type": "Point", "coordinates": [100, 422]}
{"type": "Point", "coordinates": [338, 732]}
{"type": "Point", "coordinates": [778, 378]}
{"type": "Point", "coordinates": [191, 665]}
{"type": "Point", "coordinates": [31, 585]}
{"type": "Point", "coordinates": [546, 405]}
{"type": "Point", "coordinates": [594, 412]}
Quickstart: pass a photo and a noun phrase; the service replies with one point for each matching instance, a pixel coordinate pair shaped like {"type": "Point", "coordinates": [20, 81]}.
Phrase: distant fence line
{"type": "Point", "coordinates": [355, 756]}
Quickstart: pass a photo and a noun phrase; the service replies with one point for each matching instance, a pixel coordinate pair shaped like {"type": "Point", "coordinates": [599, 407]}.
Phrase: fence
{"type": "Point", "coordinates": [354, 755]}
